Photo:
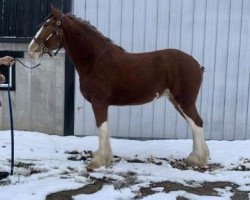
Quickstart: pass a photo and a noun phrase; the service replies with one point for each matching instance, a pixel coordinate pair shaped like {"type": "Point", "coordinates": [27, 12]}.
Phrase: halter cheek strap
{"type": "Point", "coordinates": [55, 31]}
{"type": "Point", "coordinates": [58, 24]}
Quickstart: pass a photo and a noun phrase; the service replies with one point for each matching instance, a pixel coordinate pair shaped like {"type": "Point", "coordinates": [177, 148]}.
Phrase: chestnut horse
{"type": "Point", "coordinates": [111, 76]}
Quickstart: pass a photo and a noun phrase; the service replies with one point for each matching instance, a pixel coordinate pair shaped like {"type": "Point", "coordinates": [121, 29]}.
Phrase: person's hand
{"type": "Point", "coordinates": [7, 60]}
{"type": "Point", "coordinates": [2, 78]}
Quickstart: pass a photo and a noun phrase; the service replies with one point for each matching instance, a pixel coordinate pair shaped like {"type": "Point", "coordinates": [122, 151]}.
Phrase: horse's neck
{"type": "Point", "coordinates": [83, 47]}
{"type": "Point", "coordinates": [78, 48]}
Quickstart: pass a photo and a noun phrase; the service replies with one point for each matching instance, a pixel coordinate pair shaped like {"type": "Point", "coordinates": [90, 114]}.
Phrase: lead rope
{"type": "Point", "coordinates": [11, 128]}
{"type": "Point", "coordinates": [26, 65]}
{"type": "Point", "coordinates": [11, 117]}
{"type": "Point", "coordinates": [4, 175]}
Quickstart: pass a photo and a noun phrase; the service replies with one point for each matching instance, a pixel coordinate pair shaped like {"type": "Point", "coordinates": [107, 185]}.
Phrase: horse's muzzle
{"type": "Point", "coordinates": [35, 55]}
{"type": "Point", "coordinates": [34, 50]}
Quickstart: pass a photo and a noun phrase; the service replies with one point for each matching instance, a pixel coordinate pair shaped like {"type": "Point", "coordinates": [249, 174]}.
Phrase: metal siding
{"type": "Point", "coordinates": [231, 71]}
{"type": "Point", "coordinates": [220, 63]}
{"type": "Point", "coordinates": [215, 32]}
{"type": "Point", "coordinates": [243, 90]}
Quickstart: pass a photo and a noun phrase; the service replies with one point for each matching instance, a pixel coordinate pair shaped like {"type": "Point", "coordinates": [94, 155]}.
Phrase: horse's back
{"type": "Point", "coordinates": [171, 64]}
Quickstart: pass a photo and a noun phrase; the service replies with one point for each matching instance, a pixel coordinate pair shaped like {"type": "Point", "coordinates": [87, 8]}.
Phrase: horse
{"type": "Point", "coordinates": [109, 75]}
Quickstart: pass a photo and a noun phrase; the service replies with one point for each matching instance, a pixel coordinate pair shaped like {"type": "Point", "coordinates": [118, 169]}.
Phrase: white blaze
{"type": "Point", "coordinates": [33, 46]}
{"type": "Point", "coordinates": [32, 43]}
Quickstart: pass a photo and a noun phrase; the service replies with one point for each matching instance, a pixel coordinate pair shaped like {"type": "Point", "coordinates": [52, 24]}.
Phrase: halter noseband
{"type": "Point", "coordinates": [55, 31]}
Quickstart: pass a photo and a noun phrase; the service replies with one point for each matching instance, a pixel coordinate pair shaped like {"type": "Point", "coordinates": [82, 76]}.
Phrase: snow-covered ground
{"type": "Point", "coordinates": [44, 165]}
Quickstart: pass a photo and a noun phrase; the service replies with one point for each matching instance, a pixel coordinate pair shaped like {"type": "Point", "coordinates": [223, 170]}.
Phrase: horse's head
{"type": "Point", "coordinates": [49, 36]}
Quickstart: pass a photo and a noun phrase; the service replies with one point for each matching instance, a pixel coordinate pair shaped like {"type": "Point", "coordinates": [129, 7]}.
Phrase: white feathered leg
{"type": "Point", "coordinates": [200, 153]}
{"type": "Point", "coordinates": [103, 156]}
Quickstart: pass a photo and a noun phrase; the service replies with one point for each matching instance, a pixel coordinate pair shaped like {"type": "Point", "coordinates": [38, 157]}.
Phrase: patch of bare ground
{"type": "Point", "coordinates": [243, 166]}
{"type": "Point", "coordinates": [205, 189]}
{"type": "Point", "coordinates": [180, 164]}
{"type": "Point", "coordinates": [5, 181]}
{"type": "Point", "coordinates": [68, 194]}
{"type": "Point", "coordinates": [129, 179]}
{"type": "Point", "coordinates": [30, 168]}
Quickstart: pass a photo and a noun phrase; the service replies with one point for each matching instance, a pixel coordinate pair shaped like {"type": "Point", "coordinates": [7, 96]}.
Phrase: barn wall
{"type": "Point", "coordinates": [38, 101]}
{"type": "Point", "coordinates": [215, 32]}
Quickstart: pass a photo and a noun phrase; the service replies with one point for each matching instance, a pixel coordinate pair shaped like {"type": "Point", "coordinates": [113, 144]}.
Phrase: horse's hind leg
{"type": "Point", "coordinates": [200, 153]}
{"type": "Point", "coordinates": [103, 156]}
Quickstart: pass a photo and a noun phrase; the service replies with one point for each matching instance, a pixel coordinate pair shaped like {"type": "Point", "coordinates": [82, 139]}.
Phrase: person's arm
{"type": "Point", "coordinates": [7, 60]}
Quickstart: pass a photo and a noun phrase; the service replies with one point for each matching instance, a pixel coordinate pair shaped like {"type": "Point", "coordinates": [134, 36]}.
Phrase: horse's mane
{"type": "Point", "coordinates": [94, 29]}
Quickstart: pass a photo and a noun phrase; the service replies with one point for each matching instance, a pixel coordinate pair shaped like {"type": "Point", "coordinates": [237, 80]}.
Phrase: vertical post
{"type": "Point", "coordinates": [69, 99]}
{"type": "Point", "coordinates": [11, 128]}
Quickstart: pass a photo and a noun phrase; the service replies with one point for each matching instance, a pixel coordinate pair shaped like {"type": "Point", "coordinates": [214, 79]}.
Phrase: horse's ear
{"type": "Point", "coordinates": [55, 12]}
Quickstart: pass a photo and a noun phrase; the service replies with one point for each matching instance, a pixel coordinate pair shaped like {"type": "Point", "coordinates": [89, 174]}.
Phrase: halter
{"type": "Point", "coordinates": [55, 31]}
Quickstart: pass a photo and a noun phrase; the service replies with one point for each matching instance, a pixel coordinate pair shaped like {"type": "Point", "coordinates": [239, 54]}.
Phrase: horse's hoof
{"type": "Point", "coordinates": [91, 166]}
{"type": "Point", "coordinates": [99, 160]}
{"type": "Point", "coordinates": [195, 159]}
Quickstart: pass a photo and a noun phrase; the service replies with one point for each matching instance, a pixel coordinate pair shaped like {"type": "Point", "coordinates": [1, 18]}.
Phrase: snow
{"type": "Point", "coordinates": [47, 168]}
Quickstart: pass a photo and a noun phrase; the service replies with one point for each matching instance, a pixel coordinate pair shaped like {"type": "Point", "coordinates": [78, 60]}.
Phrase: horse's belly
{"type": "Point", "coordinates": [135, 98]}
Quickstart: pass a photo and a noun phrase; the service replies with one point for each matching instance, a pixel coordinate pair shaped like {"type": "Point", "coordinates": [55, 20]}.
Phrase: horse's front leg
{"type": "Point", "coordinates": [103, 156]}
